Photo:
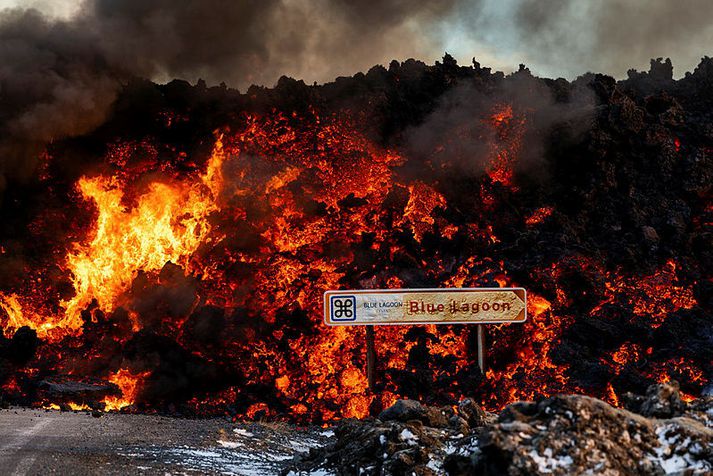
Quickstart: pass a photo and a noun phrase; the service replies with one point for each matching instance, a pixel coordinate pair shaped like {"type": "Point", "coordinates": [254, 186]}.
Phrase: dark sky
{"type": "Point", "coordinates": [242, 42]}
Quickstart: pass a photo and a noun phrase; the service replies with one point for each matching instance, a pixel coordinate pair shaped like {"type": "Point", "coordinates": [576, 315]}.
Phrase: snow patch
{"type": "Point", "coordinates": [407, 437]}
{"type": "Point", "coordinates": [676, 456]}
{"type": "Point", "coordinates": [229, 444]}
{"type": "Point", "coordinates": [259, 454]}
{"type": "Point", "coordinates": [546, 463]}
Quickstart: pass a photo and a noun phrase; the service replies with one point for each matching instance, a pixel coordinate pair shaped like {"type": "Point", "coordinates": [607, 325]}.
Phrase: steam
{"type": "Point", "coordinates": [459, 132]}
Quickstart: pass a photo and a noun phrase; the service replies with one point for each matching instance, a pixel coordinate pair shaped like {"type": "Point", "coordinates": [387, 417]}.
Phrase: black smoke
{"type": "Point", "coordinates": [60, 77]}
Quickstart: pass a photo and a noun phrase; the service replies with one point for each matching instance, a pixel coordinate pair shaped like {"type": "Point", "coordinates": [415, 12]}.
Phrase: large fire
{"type": "Point", "coordinates": [227, 262]}
{"type": "Point", "coordinates": [168, 222]}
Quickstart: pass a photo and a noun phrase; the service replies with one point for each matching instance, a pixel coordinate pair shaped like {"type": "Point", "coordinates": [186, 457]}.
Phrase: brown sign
{"type": "Point", "coordinates": [425, 306]}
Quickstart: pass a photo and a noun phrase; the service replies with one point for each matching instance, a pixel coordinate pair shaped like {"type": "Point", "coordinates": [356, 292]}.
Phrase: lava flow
{"type": "Point", "coordinates": [184, 272]}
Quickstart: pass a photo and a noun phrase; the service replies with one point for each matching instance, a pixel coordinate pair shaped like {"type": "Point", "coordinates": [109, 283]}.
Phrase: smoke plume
{"type": "Point", "coordinates": [459, 131]}
{"type": "Point", "coordinates": [60, 76]}
{"type": "Point", "coordinates": [610, 36]}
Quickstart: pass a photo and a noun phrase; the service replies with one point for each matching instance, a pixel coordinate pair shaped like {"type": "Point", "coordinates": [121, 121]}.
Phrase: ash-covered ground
{"type": "Point", "coordinates": [656, 434]}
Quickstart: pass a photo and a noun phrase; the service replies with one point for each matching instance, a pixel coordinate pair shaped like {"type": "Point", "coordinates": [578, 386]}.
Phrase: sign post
{"type": "Point", "coordinates": [372, 307]}
{"type": "Point", "coordinates": [481, 348]}
{"type": "Point", "coordinates": [370, 358]}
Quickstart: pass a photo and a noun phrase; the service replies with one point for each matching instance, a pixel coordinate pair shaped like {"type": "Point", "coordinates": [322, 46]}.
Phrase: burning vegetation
{"type": "Point", "coordinates": [175, 258]}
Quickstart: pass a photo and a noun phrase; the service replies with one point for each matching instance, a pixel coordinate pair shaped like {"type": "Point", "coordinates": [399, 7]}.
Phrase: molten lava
{"type": "Point", "coordinates": [212, 279]}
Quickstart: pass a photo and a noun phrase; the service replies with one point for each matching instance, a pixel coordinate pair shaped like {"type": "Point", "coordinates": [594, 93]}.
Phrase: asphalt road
{"type": "Point", "coordinates": [39, 442]}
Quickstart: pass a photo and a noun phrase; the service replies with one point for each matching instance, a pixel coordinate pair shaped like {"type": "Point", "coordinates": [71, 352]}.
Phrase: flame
{"type": "Point", "coordinates": [17, 316]}
{"type": "Point", "coordinates": [168, 223]}
{"type": "Point", "coordinates": [13, 310]}
{"type": "Point", "coordinates": [129, 384]}
{"type": "Point", "coordinates": [76, 407]}
{"type": "Point", "coordinates": [611, 395]}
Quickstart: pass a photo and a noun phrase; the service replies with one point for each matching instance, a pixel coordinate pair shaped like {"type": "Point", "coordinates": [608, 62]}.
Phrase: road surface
{"type": "Point", "coordinates": [39, 442]}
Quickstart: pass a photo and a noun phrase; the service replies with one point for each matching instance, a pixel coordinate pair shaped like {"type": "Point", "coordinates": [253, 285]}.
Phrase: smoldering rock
{"type": "Point", "coordinates": [170, 295]}
{"type": "Point", "coordinates": [455, 135]}
{"type": "Point", "coordinates": [61, 76]}
{"type": "Point", "coordinates": [67, 388]}
{"type": "Point", "coordinates": [22, 346]}
{"type": "Point", "coordinates": [205, 325]}
{"type": "Point", "coordinates": [176, 374]}
{"type": "Point", "coordinates": [17, 351]}
{"type": "Point", "coordinates": [661, 401]}
{"type": "Point", "coordinates": [605, 187]}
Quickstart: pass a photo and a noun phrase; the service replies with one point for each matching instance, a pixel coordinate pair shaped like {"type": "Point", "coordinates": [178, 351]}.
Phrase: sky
{"type": "Point", "coordinates": [58, 8]}
{"type": "Point", "coordinates": [554, 38]}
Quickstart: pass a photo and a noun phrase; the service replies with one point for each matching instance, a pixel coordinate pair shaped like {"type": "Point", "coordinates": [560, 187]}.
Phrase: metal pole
{"type": "Point", "coordinates": [370, 358]}
{"type": "Point", "coordinates": [481, 348]}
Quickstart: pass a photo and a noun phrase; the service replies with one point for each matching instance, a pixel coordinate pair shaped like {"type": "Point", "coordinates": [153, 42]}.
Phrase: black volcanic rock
{"type": "Point", "coordinates": [403, 410]}
{"type": "Point", "coordinates": [579, 435]}
{"type": "Point", "coordinates": [68, 388]}
{"type": "Point", "coordinates": [406, 439]}
{"type": "Point", "coordinates": [22, 346]}
{"type": "Point", "coordinates": [562, 435]}
{"type": "Point", "coordinates": [661, 401]}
